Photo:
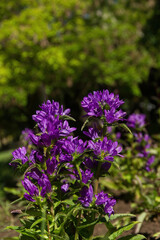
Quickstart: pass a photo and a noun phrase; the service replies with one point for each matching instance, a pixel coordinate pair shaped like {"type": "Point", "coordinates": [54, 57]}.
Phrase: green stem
{"type": "Point", "coordinates": [43, 225]}
{"type": "Point", "coordinates": [97, 178]}
{"type": "Point", "coordinates": [78, 222]}
{"type": "Point", "coordinates": [79, 172]}
{"type": "Point", "coordinates": [49, 236]}
{"type": "Point", "coordinates": [76, 237]}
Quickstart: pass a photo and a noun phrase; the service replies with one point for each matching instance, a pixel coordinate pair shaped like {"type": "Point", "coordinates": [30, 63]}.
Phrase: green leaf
{"type": "Point", "coordinates": [58, 215]}
{"type": "Point", "coordinates": [124, 126]}
{"type": "Point", "coordinates": [98, 238]}
{"type": "Point", "coordinates": [133, 237]}
{"type": "Point", "coordinates": [88, 224]}
{"type": "Point", "coordinates": [18, 200]}
{"type": "Point", "coordinates": [25, 237]}
{"type": "Point", "coordinates": [13, 227]}
{"type": "Point", "coordinates": [69, 202]}
{"type": "Point", "coordinates": [119, 231]}
{"type": "Point", "coordinates": [13, 191]}
{"type": "Point", "coordinates": [156, 234]}
{"type": "Point", "coordinates": [66, 117]}
{"type": "Point", "coordinates": [23, 231]}
{"type": "Point", "coordinates": [56, 237]}
{"type": "Point", "coordinates": [11, 238]}
{"type": "Point", "coordinates": [34, 212]}
{"type": "Point", "coordinates": [85, 123]}
{"type": "Point", "coordinates": [37, 222]}
{"type": "Point", "coordinates": [121, 215]}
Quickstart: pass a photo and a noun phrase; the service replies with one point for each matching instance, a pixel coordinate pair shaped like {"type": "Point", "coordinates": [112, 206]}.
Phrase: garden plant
{"type": "Point", "coordinates": [63, 198]}
{"type": "Point", "coordinates": [139, 175]}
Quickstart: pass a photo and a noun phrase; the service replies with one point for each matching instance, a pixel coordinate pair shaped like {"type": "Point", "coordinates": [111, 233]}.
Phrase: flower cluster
{"type": "Point", "coordinates": [103, 104]}
{"type": "Point", "coordinates": [137, 122]}
{"type": "Point", "coordinates": [57, 162]}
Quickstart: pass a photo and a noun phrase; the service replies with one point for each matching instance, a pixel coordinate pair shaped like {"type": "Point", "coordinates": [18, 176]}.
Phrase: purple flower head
{"type": "Point", "coordinates": [105, 148]}
{"type": "Point", "coordinates": [109, 129]}
{"type": "Point", "coordinates": [34, 139]}
{"type": "Point", "coordinates": [102, 198]}
{"type": "Point", "coordinates": [86, 175]}
{"type": "Point", "coordinates": [45, 184]}
{"type": "Point", "coordinates": [142, 137]}
{"type": "Point", "coordinates": [49, 110]}
{"type": "Point", "coordinates": [51, 165]}
{"type": "Point", "coordinates": [149, 162]}
{"type": "Point", "coordinates": [34, 173]}
{"type": "Point", "coordinates": [105, 166]}
{"type": "Point", "coordinates": [50, 122]}
{"type": "Point", "coordinates": [72, 145]}
{"type": "Point", "coordinates": [103, 102]}
{"type": "Point", "coordinates": [26, 135]}
{"type": "Point", "coordinates": [48, 119]}
{"type": "Point", "coordinates": [92, 133]}
{"type": "Point", "coordinates": [31, 188]}
{"type": "Point", "coordinates": [86, 195]}
{"type": "Point", "coordinates": [118, 135]}
{"type": "Point", "coordinates": [65, 187]}
{"type": "Point", "coordinates": [136, 120]}
{"type": "Point", "coordinates": [19, 153]}
{"type": "Point", "coordinates": [108, 208]}
{"type": "Point", "coordinates": [90, 163]}
{"type": "Point", "coordinates": [112, 115]}
{"type": "Point", "coordinates": [36, 156]}
{"type": "Point", "coordinates": [66, 129]}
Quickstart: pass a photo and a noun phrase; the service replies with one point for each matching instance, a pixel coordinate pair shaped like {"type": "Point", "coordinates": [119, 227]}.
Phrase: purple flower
{"type": "Point", "coordinates": [45, 184]}
{"type": "Point", "coordinates": [34, 173]}
{"type": "Point", "coordinates": [73, 145]}
{"type": "Point", "coordinates": [48, 120]}
{"type": "Point", "coordinates": [105, 166]}
{"type": "Point", "coordinates": [109, 129]}
{"type": "Point", "coordinates": [142, 137]}
{"type": "Point", "coordinates": [108, 208]}
{"type": "Point", "coordinates": [92, 133]}
{"type": "Point", "coordinates": [66, 129]}
{"type": "Point", "coordinates": [149, 162]}
{"type": "Point", "coordinates": [112, 115]}
{"type": "Point", "coordinates": [89, 163]}
{"type": "Point", "coordinates": [36, 156]}
{"type": "Point", "coordinates": [49, 110]}
{"type": "Point", "coordinates": [19, 153]}
{"type": "Point", "coordinates": [102, 198]}
{"type": "Point", "coordinates": [26, 135]}
{"type": "Point", "coordinates": [65, 187]}
{"type": "Point", "coordinates": [86, 175]}
{"type": "Point", "coordinates": [118, 135]}
{"type": "Point", "coordinates": [136, 120]}
{"type": "Point", "coordinates": [102, 102]}
{"type": "Point", "coordinates": [51, 165]}
{"type": "Point", "coordinates": [105, 148]}
{"type": "Point", "coordinates": [86, 195]}
{"type": "Point", "coordinates": [31, 188]}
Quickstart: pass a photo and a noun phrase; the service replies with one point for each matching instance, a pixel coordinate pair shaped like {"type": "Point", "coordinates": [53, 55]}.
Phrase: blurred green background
{"type": "Point", "coordinates": [63, 49]}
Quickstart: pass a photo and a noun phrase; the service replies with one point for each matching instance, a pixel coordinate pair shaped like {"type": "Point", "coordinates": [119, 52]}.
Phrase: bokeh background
{"type": "Point", "coordinates": [64, 49]}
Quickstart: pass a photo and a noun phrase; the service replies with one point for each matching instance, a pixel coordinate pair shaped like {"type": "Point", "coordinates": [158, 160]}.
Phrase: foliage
{"type": "Point", "coordinates": [57, 45]}
{"type": "Point", "coordinates": [139, 170]}
{"type": "Point", "coordinates": [54, 49]}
